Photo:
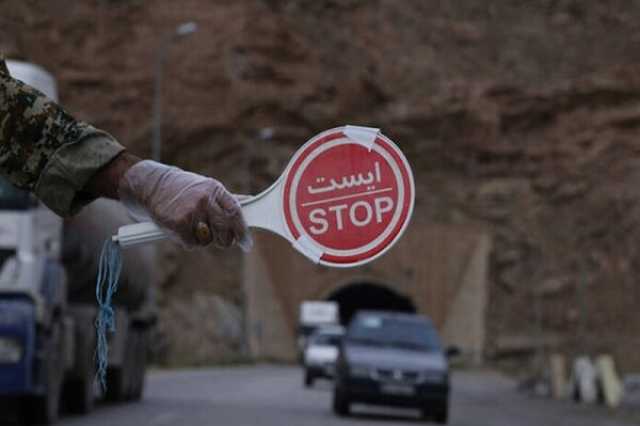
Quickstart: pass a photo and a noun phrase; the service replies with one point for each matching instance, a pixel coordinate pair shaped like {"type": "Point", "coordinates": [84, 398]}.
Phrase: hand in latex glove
{"type": "Point", "coordinates": [180, 202]}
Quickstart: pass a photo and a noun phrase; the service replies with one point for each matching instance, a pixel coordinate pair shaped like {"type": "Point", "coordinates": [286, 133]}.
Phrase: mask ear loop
{"type": "Point", "coordinates": [109, 270]}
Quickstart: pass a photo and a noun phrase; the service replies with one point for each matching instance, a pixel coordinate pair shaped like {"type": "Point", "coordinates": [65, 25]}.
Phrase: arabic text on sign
{"type": "Point", "coordinates": [348, 181]}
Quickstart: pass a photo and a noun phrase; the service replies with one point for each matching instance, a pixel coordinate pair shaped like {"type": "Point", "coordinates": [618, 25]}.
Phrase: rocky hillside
{"type": "Point", "coordinates": [519, 116]}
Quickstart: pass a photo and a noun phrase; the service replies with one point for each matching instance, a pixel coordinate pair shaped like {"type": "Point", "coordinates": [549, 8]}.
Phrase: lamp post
{"type": "Point", "coordinates": [161, 56]}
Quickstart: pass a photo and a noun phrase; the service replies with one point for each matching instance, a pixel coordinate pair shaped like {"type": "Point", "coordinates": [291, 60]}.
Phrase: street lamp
{"type": "Point", "coordinates": [161, 56]}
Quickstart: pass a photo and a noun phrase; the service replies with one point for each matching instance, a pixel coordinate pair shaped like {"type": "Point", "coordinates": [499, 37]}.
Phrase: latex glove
{"type": "Point", "coordinates": [180, 201]}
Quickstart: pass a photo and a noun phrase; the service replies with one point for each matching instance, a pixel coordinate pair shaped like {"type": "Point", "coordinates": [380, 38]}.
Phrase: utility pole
{"type": "Point", "coordinates": [161, 58]}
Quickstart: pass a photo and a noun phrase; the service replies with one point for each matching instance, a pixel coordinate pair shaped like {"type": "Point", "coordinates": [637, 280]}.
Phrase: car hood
{"type": "Point", "coordinates": [385, 357]}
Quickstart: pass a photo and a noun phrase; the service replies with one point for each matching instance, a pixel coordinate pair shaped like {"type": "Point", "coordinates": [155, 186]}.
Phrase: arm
{"type": "Point", "coordinates": [104, 182]}
{"type": "Point", "coordinates": [68, 163]}
{"type": "Point", "coordinates": [45, 150]}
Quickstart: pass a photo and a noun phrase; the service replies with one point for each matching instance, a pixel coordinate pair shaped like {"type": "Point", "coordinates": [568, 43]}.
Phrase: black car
{"type": "Point", "coordinates": [392, 359]}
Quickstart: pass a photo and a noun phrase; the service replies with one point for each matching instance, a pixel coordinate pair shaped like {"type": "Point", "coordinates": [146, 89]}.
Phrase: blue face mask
{"type": "Point", "coordinates": [106, 286]}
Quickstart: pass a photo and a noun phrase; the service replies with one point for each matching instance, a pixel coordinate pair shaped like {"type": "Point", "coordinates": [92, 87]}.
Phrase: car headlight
{"type": "Point", "coordinates": [434, 376]}
{"type": "Point", "coordinates": [359, 371]}
{"type": "Point", "coordinates": [10, 351]}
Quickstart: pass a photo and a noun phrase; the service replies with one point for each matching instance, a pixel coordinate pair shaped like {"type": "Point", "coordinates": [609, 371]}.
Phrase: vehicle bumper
{"type": "Point", "coordinates": [369, 391]}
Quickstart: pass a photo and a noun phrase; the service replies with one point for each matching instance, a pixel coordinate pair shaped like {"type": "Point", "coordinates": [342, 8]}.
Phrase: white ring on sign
{"type": "Point", "coordinates": [396, 215]}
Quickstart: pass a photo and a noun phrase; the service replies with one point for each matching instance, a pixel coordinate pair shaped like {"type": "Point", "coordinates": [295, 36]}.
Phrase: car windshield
{"type": "Point", "coordinates": [395, 332]}
{"type": "Point", "coordinates": [326, 340]}
{"type": "Point", "coordinates": [12, 198]}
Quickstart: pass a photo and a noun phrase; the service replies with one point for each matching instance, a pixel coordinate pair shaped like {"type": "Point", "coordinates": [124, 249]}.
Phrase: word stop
{"type": "Point", "coordinates": [358, 214]}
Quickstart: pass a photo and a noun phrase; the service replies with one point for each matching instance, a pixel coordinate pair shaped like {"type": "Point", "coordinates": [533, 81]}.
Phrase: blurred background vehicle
{"type": "Point", "coordinates": [321, 352]}
{"type": "Point", "coordinates": [314, 314]}
{"type": "Point", "coordinates": [48, 269]}
{"type": "Point", "coordinates": [393, 359]}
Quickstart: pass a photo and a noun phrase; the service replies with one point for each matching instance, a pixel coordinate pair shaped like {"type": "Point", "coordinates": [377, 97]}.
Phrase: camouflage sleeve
{"type": "Point", "coordinates": [45, 150]}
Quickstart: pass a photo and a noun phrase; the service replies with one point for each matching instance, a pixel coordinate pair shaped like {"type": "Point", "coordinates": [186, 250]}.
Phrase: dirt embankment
{"type": "Point", "coordinates": [520, 116]}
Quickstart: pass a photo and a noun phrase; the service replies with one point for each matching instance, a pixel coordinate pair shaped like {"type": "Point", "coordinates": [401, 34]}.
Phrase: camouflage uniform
{"type": "Point", "coordinates": [45, 150]}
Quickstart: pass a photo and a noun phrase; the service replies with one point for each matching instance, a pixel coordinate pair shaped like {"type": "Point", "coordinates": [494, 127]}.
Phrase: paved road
{"type": "Point", "coordinates": [266, 395]}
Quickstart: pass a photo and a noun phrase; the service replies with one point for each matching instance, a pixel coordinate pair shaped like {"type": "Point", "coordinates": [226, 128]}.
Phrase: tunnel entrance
{"type": "Point", "coordinates": [367, 296]}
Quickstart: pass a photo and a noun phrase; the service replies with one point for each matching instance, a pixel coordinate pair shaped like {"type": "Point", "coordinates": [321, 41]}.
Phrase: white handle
{"type": "Point", "coordinates": [253, 211]}
{"type": "Point", "coordinates": [138, 233]}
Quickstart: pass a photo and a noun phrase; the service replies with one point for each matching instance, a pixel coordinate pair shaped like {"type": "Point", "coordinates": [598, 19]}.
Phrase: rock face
{"type": "Point", "coordinates": [522, 117]}
{"type": "Point", "coordinates": [200, 330]}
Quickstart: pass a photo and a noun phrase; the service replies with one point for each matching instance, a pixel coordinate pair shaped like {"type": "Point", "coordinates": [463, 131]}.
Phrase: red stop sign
{"type": "Point", "coordinates": [346, 198]}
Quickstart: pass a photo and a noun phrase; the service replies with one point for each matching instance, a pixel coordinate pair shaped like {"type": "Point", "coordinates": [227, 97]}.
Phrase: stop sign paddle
{"type": "Point", "coordinates": [345, 198]}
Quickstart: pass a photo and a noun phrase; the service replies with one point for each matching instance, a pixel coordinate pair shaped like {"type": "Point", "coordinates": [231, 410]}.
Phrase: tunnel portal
{"type": "Point", "coordinates": [367, 296]}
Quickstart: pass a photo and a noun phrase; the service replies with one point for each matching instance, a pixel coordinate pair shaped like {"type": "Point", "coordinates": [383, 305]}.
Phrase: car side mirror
{"type": "Point", "coordinates": [453, 351]}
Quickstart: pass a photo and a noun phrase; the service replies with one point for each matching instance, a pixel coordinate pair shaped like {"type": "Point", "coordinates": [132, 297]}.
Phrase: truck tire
{"type": "Point", "coordinates": [118, 378]}
{"type": "Point", "coordinates": [116, 384]}
{"type": "Point", "coordinates": [44, 409]}
{"type": "Point", "coordinates": [126, 382]}
{"type": "Point", "coordinates": [78, 395]}
{"type": "Point", "coordinates": [141, 345]}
